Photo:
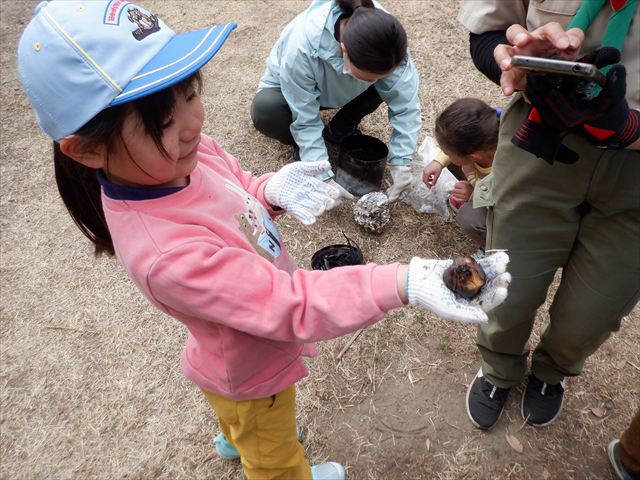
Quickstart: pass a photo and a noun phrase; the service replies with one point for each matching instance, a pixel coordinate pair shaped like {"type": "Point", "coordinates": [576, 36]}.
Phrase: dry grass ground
{"type": "Point", "coordinates": [89, 380]}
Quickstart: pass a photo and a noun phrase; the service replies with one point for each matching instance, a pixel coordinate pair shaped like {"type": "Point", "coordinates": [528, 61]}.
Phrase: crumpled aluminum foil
{"type": "Point", "coordinates": [372, 211]}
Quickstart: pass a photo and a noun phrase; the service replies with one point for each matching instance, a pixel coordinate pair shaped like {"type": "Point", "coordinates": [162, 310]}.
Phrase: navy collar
{"type": "Point", "coordinates": [127, 192]}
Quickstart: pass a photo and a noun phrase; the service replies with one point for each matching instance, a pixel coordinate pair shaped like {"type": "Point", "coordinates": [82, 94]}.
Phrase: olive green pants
{"type": "Point", "coordinates": [473, 222]}
{"type": "Point", "coordinates": [271, 114]}
{"type": "Point", "coordinates": [583, 218]}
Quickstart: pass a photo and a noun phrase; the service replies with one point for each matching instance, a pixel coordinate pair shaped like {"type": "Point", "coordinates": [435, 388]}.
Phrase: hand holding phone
{"type": "Point", "coordinates": [550, 38]}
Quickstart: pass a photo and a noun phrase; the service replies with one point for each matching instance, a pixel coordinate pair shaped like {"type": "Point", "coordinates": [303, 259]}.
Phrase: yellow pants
{"type": "Point", "coordinates": [264, 433]}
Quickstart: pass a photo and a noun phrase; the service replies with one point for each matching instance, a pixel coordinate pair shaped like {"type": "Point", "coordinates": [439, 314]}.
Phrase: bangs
{"type": "Point", "coordinates": [153, 110]}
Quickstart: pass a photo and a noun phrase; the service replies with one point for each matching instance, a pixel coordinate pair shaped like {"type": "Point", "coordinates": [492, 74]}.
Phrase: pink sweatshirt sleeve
{"type": "Point", "coordinates": [242, 290]}
{"type": "Point", "coordinates": [252, 184]}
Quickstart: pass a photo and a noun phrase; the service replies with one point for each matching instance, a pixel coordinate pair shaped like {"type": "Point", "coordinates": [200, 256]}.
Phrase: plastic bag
{"type": "Point", "coordinates": [435, 199]}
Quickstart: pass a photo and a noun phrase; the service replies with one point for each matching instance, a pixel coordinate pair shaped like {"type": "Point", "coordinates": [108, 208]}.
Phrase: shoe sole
{"type": "Point", "coordinates": [538, 425]}
{"type": "Point", "coordinates": [475, 424]}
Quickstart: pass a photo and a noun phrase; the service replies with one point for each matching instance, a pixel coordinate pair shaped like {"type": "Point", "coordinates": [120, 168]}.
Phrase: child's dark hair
{"type": "Point", "coordinates": [376, 41]}
{"type": "Point", "coordinates": [78, 185]}
{"type": "Point", "coordinates": [466, 126]}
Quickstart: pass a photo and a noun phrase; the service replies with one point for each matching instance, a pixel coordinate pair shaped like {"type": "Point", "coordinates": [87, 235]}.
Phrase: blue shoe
{"type": "Point", "coordinates": [328, 471]}
{"type": "Point", "coordinates": [224, 448]}
{"type": "Point", "coordinates": [229, 452]}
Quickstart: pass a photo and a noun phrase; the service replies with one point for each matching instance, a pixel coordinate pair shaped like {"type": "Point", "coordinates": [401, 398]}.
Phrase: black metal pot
{"type": "Point", "coordinates": [361, 164]}
{"type": "Point", "coordinates": [337, 256]}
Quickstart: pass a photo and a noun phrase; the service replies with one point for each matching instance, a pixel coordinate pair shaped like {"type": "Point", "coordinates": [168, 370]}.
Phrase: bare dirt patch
{"type": "Point", "coordinates": [89, 380]}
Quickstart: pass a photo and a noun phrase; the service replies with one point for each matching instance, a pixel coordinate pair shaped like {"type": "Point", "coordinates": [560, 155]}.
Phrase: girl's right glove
{"type": "Point", "coordinates": [426, 288]}
{"type": "Point", "coordinates": [296, 189]}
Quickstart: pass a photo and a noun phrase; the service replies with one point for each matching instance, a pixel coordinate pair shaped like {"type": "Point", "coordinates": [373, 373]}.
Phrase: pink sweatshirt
{"type": "Point", "coordinates": [210, 256]}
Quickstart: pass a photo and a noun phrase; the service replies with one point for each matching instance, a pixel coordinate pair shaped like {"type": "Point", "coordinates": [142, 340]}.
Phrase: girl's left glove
{"type": "Point", "coordinates": [426, 288]}
{"type": "Point", "coordinates": [296, 189]}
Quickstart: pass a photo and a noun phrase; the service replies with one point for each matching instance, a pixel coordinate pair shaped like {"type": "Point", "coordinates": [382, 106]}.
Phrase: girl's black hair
{"type": "Point", "coordinates": [376, 41]}
{"type": "Point", "coordinates": [466, 126]}
{"type": "Point", "coordinates": [78, 185]}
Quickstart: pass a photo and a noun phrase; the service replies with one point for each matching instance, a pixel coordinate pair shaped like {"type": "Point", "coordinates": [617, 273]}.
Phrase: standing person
{"type": "Point", "coordinates": [347, 54]}
{"type": "Point", "coordinates": [467, 134]}
{"type": "Point", "coordinates": [118, 92]}
{"type": "Point", "coordinates": [577, 207]}
{"type": "Point", "coordinates": [624, 453]}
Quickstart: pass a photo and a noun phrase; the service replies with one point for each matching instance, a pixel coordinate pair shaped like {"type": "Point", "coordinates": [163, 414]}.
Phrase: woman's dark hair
{"type": "Point", "coordinates": [376, 41]}
{"type": "Point", "coordinates": [466, 126]}
{"type": "Point", "coordinates": [78, 185]}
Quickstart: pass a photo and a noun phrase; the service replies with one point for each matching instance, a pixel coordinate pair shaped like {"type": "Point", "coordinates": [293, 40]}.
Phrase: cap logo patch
{"type": "Point", "coordinates": [113, 11]}
{"type": "Point", "coordinates": [147, 24]}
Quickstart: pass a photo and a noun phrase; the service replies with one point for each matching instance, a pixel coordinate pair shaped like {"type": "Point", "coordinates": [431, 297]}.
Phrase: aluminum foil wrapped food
{"type": "Point", "coordinates": [372, 211]}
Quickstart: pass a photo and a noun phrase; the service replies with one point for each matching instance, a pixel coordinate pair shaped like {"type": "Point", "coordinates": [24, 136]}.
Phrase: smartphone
{"type": "Point", "coordinates": [560, 67]}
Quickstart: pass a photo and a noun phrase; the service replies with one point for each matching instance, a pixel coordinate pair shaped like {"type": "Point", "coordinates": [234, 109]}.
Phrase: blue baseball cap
{"type": "Point", "coordinates": [76, 58]}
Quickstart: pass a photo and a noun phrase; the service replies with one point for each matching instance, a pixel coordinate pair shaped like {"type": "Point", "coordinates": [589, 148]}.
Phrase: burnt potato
{"type": "Point", "coordinates": [465, 277]}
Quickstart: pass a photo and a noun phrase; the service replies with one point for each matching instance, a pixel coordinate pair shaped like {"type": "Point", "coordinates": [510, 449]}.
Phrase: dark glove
{"type": "Point", "coordinates": [569, 103]}
{"type": "Point", "coordinates": [543, 141]}
{"type": "Point", "coordinates": [610, 123]}
{"type": "Point", "coordinates": [566, 101]}
{"type": "Point", "coordinates": [560, 103]}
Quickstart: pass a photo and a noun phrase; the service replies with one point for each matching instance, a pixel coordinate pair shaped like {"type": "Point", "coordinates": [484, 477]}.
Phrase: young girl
{"type": "Point", "coordinates": [347, 54]}
{"type": "Point", "coordinates": [467, 132]}
{"type": "Point", "coordinates": [118, 91]}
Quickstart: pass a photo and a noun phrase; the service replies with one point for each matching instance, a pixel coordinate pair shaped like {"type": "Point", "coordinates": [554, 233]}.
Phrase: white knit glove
{"type": "Point", "coordinates": [401, 175]}
{"type": "Point", "coordinates": [426, 288]}
{"type": "Point", "coordinates": [296, 189]}
{"type": "Point", "coordinates": [344, 193]}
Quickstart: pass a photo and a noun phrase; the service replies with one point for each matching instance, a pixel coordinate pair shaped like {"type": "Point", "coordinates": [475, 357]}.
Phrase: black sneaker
{"type": "Point", "coordinates": [485, 402]}
{"type": "Point", "coordinates": [335, 136]}
{"type": "Point", "coordinates": [541, 402]}
{"type": "Point", "coordinates": [613, 450]}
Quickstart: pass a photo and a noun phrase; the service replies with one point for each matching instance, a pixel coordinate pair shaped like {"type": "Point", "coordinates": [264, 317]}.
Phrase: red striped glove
{"type": "Point", "coordinates": [542, 140]}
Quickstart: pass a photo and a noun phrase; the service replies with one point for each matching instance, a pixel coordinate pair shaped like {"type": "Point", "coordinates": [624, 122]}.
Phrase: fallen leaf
{"type": "Point", "coordinates": [545, 474]}
{"type": "Point", "coordinates": [514, 442]}
{"type": "Point", "coordinates": [428, 444]}
{"type": "Point", "coordinates": [598, 412]}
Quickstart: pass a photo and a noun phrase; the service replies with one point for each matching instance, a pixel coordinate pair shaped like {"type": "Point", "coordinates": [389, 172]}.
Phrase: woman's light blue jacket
{"type": "Point", "coordinates": [306, 64]}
